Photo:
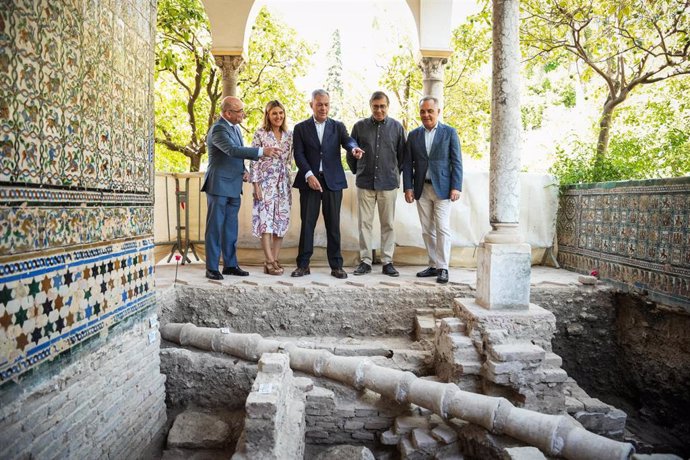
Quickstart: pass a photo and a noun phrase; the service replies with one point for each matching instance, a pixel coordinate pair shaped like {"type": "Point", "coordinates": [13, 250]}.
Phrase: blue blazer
{"type": "Point", "coordinates": [226, 157]}
{"type": "Point", "coordinates": [444, 162]}
{"type": "Point", "coordinates": [309, 152]}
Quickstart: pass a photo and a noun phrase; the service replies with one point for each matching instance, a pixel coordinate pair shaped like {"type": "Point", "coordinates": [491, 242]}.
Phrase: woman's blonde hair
{"type": "Point", "coordinates": [267, 122]}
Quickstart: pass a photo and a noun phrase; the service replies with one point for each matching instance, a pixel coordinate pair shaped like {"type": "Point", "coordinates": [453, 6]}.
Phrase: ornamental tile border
{"type": "Point", "coordinates": [635, 233]}
{"type": "Point", "coordinates": [48, 304]}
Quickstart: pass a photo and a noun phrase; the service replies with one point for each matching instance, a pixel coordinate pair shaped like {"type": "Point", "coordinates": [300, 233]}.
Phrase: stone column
{"type": "Point", "coordinates": [503, 265]}
{"type": "Point", "coordinates": [432, 77]}
{"type": "Point", "coordinates": [230, 66]}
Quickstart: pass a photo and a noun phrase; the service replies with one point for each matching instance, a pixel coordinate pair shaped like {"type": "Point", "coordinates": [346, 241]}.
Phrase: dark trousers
{"type": "Point", "coordinates": [329, 201]}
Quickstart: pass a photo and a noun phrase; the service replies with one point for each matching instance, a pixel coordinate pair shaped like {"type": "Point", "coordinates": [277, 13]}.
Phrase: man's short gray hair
{"type": "Point", "coordinates": [319, 92]}
{"type": "Point", "coordinates": [428, 98]}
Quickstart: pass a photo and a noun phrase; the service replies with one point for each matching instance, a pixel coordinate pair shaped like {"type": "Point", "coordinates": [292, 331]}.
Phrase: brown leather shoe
{"type": "Point", "coordinates": [300, 271]}
{"type": "Point", "coordinates": [339, 273]}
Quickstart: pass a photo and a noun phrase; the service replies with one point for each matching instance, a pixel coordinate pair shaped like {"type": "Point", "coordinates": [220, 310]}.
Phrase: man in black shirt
{"type": "Point", "coordinates": [378, 179]}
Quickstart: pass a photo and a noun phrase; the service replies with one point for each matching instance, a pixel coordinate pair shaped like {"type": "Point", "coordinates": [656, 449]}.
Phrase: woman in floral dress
{"type": "Point", "coordinates": [270, 178]}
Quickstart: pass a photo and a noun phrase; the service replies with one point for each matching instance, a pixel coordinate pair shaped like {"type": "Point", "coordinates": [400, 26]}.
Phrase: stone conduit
{"type": "Point", "coordinates": [553, 434]}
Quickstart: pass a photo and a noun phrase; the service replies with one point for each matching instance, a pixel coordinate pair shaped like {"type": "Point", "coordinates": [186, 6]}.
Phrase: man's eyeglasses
{"type": "Point", "coordinates": [379, 107]}
{"type": "Point", "coordinates": [236, 111]}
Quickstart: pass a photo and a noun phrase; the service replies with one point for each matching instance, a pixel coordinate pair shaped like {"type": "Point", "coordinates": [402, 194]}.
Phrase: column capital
{"type": "Point", "coordinates": [230, 66]}
{"type": "Point", "coordinates": [432, 67]}
{"type": "Point", "coordinates": [229, 63]}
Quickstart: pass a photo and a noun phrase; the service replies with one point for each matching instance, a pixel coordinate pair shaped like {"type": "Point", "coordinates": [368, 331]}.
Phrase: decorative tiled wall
{"type": "Point", "coordinates": [634, 233]}
{"type": "Point", "coordinates": [76, 172]}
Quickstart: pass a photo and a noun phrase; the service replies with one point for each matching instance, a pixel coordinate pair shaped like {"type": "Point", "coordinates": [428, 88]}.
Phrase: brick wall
{"type": "Point", "coordinates": [636, 234]}
{"type": "Point", "coordinates": [103, 399]}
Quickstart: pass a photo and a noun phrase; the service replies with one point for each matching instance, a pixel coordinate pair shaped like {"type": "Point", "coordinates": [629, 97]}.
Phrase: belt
{"type": "Point", "coordinates": [427, 181]}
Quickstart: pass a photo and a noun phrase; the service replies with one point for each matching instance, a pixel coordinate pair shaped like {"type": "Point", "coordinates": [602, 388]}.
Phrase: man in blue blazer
{"type": "Point", "coordinates": [432, 175]}
{"type": "Point", "coordinates": [321, 180]}
{"type": "Point", "coordinates": [223, 187]}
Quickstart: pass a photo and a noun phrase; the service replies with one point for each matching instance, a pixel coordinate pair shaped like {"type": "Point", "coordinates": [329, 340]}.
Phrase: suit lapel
{"type": "Point", "coordinates": [438, 138]}
{"type": "Point", "coordinates": [311, 127]}
{"type": "Point", "coordinates": [421, 142]}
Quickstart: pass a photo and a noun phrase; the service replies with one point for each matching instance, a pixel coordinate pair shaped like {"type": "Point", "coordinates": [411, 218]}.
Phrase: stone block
{"type": "Point", "coordinates": [587, 280]}
{"type": "Point", "coordinates": [405, 424]}
{"type": "Point", "coordinates": [424, 326]}
{"type": "Point", "coordinates": [517, 352]}
{"type": "Point", "coordinates": [421, 439]}
{"type": "Point", "coordinates": [274, 363]}
{"type": "Point", "coordinates": [389, 438]}
{"type": "Point", "coordinates": [595, 405]}
{"type": "Point", "coordinates": [573, 405]}
{"type": "Point", "coordinates": [364, 435]}
{"type": "Point", "coordinates": [377, 423]}
{"type": "Point", "coordinates": [444, 434]}
{"type": "Point", "coordinates": [523, 453]}
{"type": "Point", "coordinates": [193, 429]}
{"type": "Point", "coordinates": [553, 375]}
{"type": "Point", "coordinates": [345, 452]}
{"type": "Point", "coordinates": [602, 423]}
{"type": "Point", "coordinates": [503, 276]}
{"type": "Point", "coordinates": [353, 425]}
{"type": "Point", "coordinates": [303, 384]}
{"type": "Point", "coordinates": [553, 360]}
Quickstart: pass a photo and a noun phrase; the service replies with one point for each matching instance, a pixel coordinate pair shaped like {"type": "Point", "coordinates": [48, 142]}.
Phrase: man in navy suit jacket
{"type": "Point", "coordinates": [223, 187]}
{"type": "Point", "coordinates": [321, 180]}
{"type": "Point", "coordinates": [432, 174]}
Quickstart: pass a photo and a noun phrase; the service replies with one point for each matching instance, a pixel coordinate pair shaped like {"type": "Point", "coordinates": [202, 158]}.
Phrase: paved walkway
{"type": "Point", "coordinates": [194, 274]}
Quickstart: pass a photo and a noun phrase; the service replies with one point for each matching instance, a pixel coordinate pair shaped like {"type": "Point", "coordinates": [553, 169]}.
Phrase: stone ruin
{"type": "Point", "coordinates": [460, 381]}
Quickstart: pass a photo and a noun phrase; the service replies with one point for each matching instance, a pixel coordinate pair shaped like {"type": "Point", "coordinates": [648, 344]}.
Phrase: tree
{"type": "Point", "coordinates": [334, 79]}
{"type": "Point", "coordinates": [276, 57]}
{"type": "Point", "coordinates": [466, 85]}
{"type": "Point", "coordinates": [188, 85]}
{"type": "Point", "coordinates": [402, 77]}
{"type": "Point", "coordinates": [627, 44]}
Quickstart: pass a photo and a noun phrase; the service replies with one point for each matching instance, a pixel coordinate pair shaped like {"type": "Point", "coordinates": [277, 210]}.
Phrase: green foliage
{"type": "Point", "coordinates": [403, 80]}
{"type": "Point", "coordinates": [334, 79]}
{"type": "Point", "coordinates": [653, 141]}
{"type": "Point", "coordinates": [532, 116]}
{"type": "Point", "coordinates": [276, 57]}
{"type": "Point", "coordinates": [568, 96]}
{"type": "Point", "coordinates": [467, 91]}
{"type": "Point", "coordinates": [624, 45]}
{"type": "Point", "coordinates": [187, 85]}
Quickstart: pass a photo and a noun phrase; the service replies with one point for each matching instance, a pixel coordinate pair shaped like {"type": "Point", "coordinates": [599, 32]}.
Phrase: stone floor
{"type": "Point", "coordinates": [194, 274]}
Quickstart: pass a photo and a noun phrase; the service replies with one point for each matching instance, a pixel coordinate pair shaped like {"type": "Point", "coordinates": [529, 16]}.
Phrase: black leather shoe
{"type": "Point", "coordinates": [442, 276]}
{"type": "Point", "coordinates": [339, 273]}
{"type": "Point", "coordinates": [428, 272]}
{"type": "Point", "coordinates": [300, 271]}
{"type": "Point", "coordinates": [236, 271]}
{"type": "Point", "coordinates": [389, 270]}
{"type": "Point", "coordinates": [362, 268]}
{"type": "Point", "coordinates": [213, 275]}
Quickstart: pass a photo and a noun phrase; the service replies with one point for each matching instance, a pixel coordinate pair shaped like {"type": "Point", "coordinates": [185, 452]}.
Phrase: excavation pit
{"type": "Point", "coordinates": [395, 323]}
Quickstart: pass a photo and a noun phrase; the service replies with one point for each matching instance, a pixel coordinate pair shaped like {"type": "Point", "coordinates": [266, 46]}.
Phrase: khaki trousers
{"type": "Point", "coordinates": [434, 215]}
{"type": "Point", "coordinates": [367, 200]}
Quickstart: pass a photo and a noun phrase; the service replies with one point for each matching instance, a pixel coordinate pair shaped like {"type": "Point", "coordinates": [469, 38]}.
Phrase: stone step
{"type": "Point", "coordinates": [517, 352]}
{"type": "Point", "coordinates": [405, 424]}
{"type": "Point", "coordinates": [423, 440]}
{"type": "Point", "coordinates": [424, 326]}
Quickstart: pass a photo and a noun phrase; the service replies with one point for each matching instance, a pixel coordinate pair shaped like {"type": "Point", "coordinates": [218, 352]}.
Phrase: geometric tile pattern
{"type": "Point", "coordinates": [636, 233]}
{"type": "Point", "coordinates": [49, 303]}
{"type": "Point", "coordinates": [27, 229]}
{"type": "Point", "coordinates": [76, 172]}
{"type": "Point", "coordinates": [76, 99]}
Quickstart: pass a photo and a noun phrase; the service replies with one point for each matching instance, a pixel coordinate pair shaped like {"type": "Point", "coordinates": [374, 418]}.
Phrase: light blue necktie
{"type": "Point", "coordinates": [239, 134]}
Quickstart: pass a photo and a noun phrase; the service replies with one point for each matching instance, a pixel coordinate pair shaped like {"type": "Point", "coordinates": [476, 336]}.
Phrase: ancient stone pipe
{"type": "Point", "coordinates": [554, 434]}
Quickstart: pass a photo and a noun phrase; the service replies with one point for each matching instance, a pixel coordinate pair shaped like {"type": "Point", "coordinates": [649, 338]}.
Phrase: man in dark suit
{"type": "Point", "coordinates": [321, 180]}
{"type": "Point", "coordinates": [432, 174]}
{"type": "Point", "coordinates": [223, 187]}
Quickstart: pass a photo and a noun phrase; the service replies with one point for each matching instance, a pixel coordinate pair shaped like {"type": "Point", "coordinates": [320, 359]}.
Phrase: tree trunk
{"type": "Point", "coordinates": [604, 133]}
{"type": "Point", "coordinates": [194, 163]}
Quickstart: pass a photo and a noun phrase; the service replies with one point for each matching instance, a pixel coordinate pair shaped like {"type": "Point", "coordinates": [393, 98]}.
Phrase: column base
{"type": "Point", "coordinates": [503, 276]}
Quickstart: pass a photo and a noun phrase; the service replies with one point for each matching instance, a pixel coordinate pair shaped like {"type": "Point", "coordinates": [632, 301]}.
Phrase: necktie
{"type": "Point", "coordinates": [239, 134]}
